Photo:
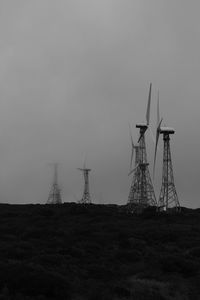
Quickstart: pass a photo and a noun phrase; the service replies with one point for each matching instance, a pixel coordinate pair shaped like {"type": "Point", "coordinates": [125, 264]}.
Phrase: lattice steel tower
{"type": "Point", "coordinates": [132, 198]}
{"type": "Point", "coordinates": [133, 193]}
{"type": "Point", "coordinates": [86, 198]}
{"type": "Point", "coordinates": [55, 195]}
{"type": "Point", "coordinates": [144, 194]}
{"type": "Point", "coordinates": [168, 196]}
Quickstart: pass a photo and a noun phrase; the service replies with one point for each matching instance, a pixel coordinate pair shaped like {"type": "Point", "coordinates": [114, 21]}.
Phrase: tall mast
{"type": "Point", "coordinates": [86, 198]}
{"type": "Point", "coordinates": [168, 196]}
{"type": "Point", "coordinates": [142, 192]}
{"type": "Point", "coordinates": [55, 192]}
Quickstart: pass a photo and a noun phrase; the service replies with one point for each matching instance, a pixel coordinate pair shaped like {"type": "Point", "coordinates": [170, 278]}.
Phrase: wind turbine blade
{"type": "Point", "coordinates": [148, 106]}
{"type": "Point", "coordinates": [132, 149]}
{"type": "Point", "coordinates": [133, 170]}
{"type": "Point", "coordinates": [158, 110]}
{"type": "Point", "coordinates": [131, 135]}
{"type": "Point", "coordinates": [140, 138]}
{"type": "Point", "coordinates": [156, 146]}
{"type": "Point", "coordinates": [152, 136]}
{"type": "Point", "coordinates": [132, 154]}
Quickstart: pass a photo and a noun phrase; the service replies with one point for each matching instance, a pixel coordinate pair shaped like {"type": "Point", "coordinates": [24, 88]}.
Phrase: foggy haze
{"type": "Point", "coordinates": [74, 73]}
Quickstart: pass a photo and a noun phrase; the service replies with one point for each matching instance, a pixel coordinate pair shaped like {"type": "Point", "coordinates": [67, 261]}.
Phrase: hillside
{"type": "Point", "coordinates": [97, 252]}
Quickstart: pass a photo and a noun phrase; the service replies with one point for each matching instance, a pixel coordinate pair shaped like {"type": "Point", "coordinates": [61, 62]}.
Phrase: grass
{"type": "Point", "coordinates": [98, 252]}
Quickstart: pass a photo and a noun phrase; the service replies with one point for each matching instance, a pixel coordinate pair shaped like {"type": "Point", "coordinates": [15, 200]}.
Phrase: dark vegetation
{"type": "Point", "coordinates": [98, 252]}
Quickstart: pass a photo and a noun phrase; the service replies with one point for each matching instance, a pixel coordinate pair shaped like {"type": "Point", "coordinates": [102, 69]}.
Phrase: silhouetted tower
{"type": "Point", "coordinates": [132, 198]}
{"type": "Point", "coordinates": [168, 196]}
{"type": "Point", "coordinates": [55, 195]}
{"type": "Point", "coordinates": [133, 194]}
{"type": "Point", "coordinates": [144, 194]}
{"type": "Point", "coordinates": [86, 199]}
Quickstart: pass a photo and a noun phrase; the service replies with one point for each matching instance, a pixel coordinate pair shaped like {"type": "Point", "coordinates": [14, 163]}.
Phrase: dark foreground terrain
{"type": "Point", "coordinates": [98, 252]}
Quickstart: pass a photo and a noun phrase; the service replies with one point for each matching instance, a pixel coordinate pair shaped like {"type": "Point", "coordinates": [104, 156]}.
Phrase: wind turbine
{"type": "Point", "coordinates": [133, 193]}
{"type": "Point", "coordinates": [86, 198]}
{"type": "Point", "coordinates": [144, 126]}
{"type": "Point", "coordinates": [168, 196]}
{"type": "Point", "coordinates": [159, 121]}
{"type": "Point", "coordinates": [134, 150]}
{"type": "Point", "coordinates": [55, 195]}
{"type": "Point", "coordinates": [144, 194]}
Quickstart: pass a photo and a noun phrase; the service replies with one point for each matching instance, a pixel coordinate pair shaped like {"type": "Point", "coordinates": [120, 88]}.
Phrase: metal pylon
{"type": "Point", "coordinates": [146, 189]}
{"type": "Point", "coordinates": [86, 198]}
{"type": "Point", "coordinates": [145, 195]}
{"type": "Point", "coordinates": [168, 196]}
{"type": "Point", "coordinates": [142, 193]}
{"type": "Point", "coordinates": [133, 194]}
{"type": "Point", "coordinates": [55, 195]}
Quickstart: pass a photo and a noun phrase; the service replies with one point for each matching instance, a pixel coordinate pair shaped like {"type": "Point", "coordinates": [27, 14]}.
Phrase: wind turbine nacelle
{"type": "Point", "coordinates": [167, 130]}
{"type": "Point", "coordinates": [142, 126]}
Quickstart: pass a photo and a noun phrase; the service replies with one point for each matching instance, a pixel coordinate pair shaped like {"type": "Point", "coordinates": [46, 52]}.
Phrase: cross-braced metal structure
{"type": "Point", "coordinates": [145, 190]}
{"type": "Point", "coordinates": [133, 196]}
{"type": "Point", "coordinates": [168, 196]}
{"type": "Point", "coordinates": [55, 195]}
{"type": "Point", "coordinates": [86, 198]}
{"type": "Point", "coordinates": [142, 192]}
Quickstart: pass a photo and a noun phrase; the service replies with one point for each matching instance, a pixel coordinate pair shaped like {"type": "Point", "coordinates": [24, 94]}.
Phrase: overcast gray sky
{"type": "Point", "coordinates": [74, 73]}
